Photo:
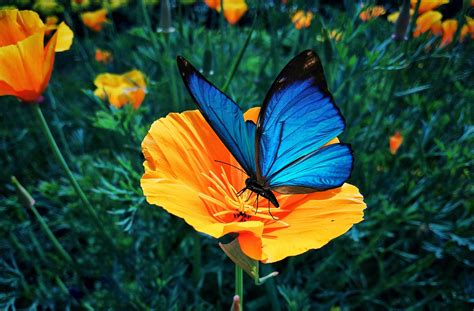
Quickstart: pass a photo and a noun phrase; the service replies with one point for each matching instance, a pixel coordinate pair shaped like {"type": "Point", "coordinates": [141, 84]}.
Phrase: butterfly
{"type": "Point", "coordinates": [286, 151]}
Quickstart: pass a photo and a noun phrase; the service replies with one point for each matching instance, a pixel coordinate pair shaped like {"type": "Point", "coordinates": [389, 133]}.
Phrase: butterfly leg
{"type": "Point", "coordinates": [270, 212]}
{"type": "Point", "coordinates": [249, 196]}
{"type": "Point", "coordinates": [256, 210]}
{"type": "Point", "coordinates": [241, 191]}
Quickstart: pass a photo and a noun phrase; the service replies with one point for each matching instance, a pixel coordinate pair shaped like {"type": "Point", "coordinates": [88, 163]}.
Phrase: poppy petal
{"type": "Point", "coordinates": [315, 219]}
{"type": "Point", "coordinates": [180, 150]}
{"type": "Point", "coordinates": [65, 36]}
{"type": "Point", "coordinates": [24, 69]}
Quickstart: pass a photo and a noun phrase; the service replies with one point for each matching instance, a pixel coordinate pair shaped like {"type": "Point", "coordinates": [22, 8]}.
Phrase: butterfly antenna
{"type": "Point", "coordinates": [231, 165]}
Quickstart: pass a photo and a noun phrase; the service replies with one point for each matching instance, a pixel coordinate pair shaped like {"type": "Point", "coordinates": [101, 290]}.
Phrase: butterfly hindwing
{"type": "Point", "coordinates": [298, 117]}
{"type": "Point", "coordinates": [223, 115]}
{"type": "Point", "coordinates": [328, 167]}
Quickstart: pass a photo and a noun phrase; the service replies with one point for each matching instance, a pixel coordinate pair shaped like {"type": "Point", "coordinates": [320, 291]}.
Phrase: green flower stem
{"type": "Point", "coordinates": [238, 58]}
{"type": "Point", "coordinates": [197, 258]}
{"type": "Point", "coordinates": [146, 18]}
{"type": "Point", "coordinates": [52, 99]}
{"type": "Point", "coordinates": [51, 236]}
{"type": "Point", "coordinates": [239, 285]}
{"type": "Point", "coordinates": [59, 157]}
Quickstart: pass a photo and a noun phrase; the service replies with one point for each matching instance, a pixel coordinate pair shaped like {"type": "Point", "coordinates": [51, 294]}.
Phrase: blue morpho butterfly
{"type": "Point", "coordinates": [285, 151]}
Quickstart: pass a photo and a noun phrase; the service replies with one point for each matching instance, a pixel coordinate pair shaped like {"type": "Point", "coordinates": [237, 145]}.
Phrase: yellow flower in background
{"type": "Point", "coordinates": [468, 28]}
{"type": "Point", "coordinates": [449, 27]}
{"type": "Point", "coordinates": [48, 7]}
{"type": "Point", "coordinates": [233, 9]}
{"type": "Point", "coordinates": [371, 12]}
{"type": "Point", "coordinates": [121, 89]}
{"type": "Point", "coordinates": [8, 7]}
{"type": "Point", "coordinates": [103, 56]}
{"type": "Point", "coordinates": [336, 35]}
{"type": "Point", "coordinates": [392, 18]}
{"type": "Point", "coordinates": [26, 63]}
{"type": "Point", "coordinates": [302, 19]}
{"type": "Point", "coordinates": [184, 176]}
{"type": "Point", "coordinates": [95, 20]}
{"type": "Point", "coordinates": [427, 5]}
{"type": "Point", "coordinates": [114, 4]}
{"type": "Point", "coordinates": [426, 21]}
{"type": "Point", "coordinates": [395, 142]}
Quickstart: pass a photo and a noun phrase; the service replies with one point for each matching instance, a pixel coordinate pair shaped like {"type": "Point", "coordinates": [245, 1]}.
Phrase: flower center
{"type": "Point", "coordinates": [226, 205]}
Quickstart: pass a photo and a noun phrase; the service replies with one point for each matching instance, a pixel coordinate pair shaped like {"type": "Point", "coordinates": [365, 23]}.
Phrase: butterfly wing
{"type": "Point", "coordinates": [223, 115]}
{"type": "Point", "coordinates": [298, 117]}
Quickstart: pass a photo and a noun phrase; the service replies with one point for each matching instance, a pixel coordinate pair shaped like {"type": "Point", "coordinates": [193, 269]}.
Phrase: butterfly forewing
{"type": "Point", "coordinates": [223, 115]}
{"type": "Point", "coordinates": [298, 117]}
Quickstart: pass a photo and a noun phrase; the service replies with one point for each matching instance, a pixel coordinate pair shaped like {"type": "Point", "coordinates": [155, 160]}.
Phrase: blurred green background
{"type": "Point", "coordinates": [414, 250]}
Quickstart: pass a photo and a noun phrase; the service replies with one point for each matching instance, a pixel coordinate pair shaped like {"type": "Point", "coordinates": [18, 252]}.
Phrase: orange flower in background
{"type": "Point", "coordinates": [427, 5]}
{"type": "Point", "coordinates": [26, 63]}
{"type": "Point", "coordinates": [449, 27]}
{"type": "Point", "coordinates": [183, 176]}
{"type": "Point", "coordinates": [426, 21]}
{"type": "Point", "coordinates": [371, 12]}
{"type": "Point", "coordinates": [302, 19]}
{"type": "Point", "coordinates": [95, 20]}
{"type": "Point", "coordinates": [233, 9]}
{"type": "Point", "coordinates": [103, 56]}
{"type": "Point", "coordinates": [51, 24]}
{"type": "Point", "coordinates": [468, 28]}
{"type": "Point", "coordinates": [395, 142]}
{"type": "Point", "coordinates": [119, 90]}
{"type": "Point", "coordinates": [437, 28]}
{"type": "Point", "coordinates": [213, 4]}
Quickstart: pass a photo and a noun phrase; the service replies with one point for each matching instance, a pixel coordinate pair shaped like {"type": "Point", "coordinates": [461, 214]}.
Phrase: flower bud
{"type": "Point", "coordinates": [403, 20]}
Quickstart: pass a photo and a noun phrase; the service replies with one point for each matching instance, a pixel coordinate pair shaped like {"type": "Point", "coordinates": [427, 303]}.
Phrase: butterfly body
{"type": "Point", "coordinates": [262, 190]}
{"type": "Point", "coordinates": [292, 148]}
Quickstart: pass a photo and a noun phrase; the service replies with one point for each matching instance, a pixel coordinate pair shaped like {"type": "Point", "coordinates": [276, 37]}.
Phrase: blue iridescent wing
{"type": "Point", "coordinates": [223, 115]}
{"type": "Point", "coordinates": [298, 117]}
{"type": "Point", "coordinates": [326, 168]}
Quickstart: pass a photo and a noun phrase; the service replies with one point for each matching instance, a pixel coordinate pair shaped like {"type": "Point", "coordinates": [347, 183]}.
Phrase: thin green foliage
{"type": "Point", "coordinates": [414, 250]}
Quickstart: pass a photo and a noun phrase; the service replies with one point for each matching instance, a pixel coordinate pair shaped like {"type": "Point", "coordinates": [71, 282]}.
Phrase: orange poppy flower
{"type": "Point", "coordinates": [371, 12]}
{"type": "Point", "coordinates": [468, 28]}
{"type": "Point", "coordinates": [302, 19]}
{"type": "Point", "coordinates": [427, 5]}
{"type": "Point", "coordinates": [426, 21]}
{"type": "Point", "coordinates": [26, 63]}
{"type": "Point", "coordinates": [103, 56]}
{"type": "Point", "coordinates": [183, 176]}
{"type": "Point", "coordinates": [95, 20]}
{"type": "Point", "coordinates": [213, 4]}
{"type": "Point", "coordinates": [449, 29]}
{"type": "Point", "coordinates": [119, 90]}
{"type": "Point", "coordinates": [51, 24]}
{"type": "Point", "coordinates": [395, 142]}
{"type": "Point", "coordinates": [437, 29]}
{"type": "Point", "coordinates": [233, 9]}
